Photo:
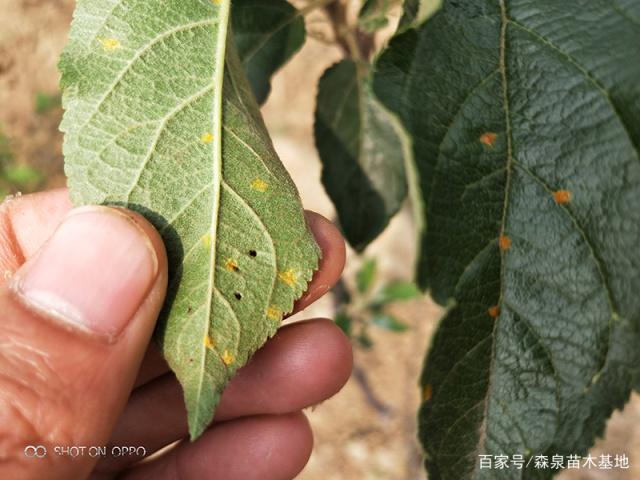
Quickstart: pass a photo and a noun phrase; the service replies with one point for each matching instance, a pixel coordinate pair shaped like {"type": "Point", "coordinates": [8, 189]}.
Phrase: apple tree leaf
{"type": "Point", "coordinates": [525, 122]}
{"type": "Point", "coordinates": [160, 118]}
{"type": "Point", "coordinates": [363, 150]}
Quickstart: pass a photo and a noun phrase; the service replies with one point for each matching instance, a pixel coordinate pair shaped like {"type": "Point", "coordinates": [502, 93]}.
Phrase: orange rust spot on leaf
{"type": "Point", "coordinates": [259, 185]}
{"type": "Point", "coordinates": [488, 139]}
{"type": "Point", "coordinates": [562, 197]}
{"type": "Point", "coordinates": [209, 342]}
{"type": "Point", "coordinates": [110, 44]}
{"type": "Point", "coordinates": [504, 242]}
{"type": "Point", "coordinates": [228, 358]}
{"type": "Point", "coordinates": [427, 392]}
{"type": "Point", "coordinates": [494, 311]}
{"type": "Point", "coordinates": [231, 265]}
{"type": "Point", "coordinates": [289, 277]}
{"type": "Point", "coordinates": [274, 313]}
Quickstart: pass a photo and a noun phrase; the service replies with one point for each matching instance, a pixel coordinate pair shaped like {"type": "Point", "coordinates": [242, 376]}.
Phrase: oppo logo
{"type": "Point", "coordinates": [35, 451]}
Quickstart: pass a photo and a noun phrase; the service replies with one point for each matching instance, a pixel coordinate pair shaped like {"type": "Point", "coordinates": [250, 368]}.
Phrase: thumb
{"type": "Point", "coordinates": [75, 321]}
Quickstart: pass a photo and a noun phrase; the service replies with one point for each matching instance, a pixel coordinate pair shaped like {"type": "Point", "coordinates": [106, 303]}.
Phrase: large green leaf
{"type": "Point", "coordinates": [268, 33]}
{"type": "Point", "coordinates": [160, 118]}
{"type": "Point", "coordinates": [525, 118]}
{"type": "Point", "coordinates": [363, 150]}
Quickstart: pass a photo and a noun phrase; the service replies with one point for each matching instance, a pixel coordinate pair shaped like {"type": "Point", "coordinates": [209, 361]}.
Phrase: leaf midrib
{"type": "Point", "coordinates": [220, 57]}
{"type": "Point", "coordinates": [601, 88]}
{"type": "Point", "coordinates": [509, 165]}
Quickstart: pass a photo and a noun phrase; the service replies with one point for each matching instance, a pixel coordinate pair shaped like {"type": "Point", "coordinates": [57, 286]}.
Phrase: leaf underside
{"type": "Point", "coordinates": [363, 150]}
{"type": "Point", "coordinates": [159, 118]}
{"type": "Point", "coordinates": [525, 119]}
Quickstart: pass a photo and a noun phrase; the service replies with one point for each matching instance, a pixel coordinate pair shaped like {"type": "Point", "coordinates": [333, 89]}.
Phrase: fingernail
{"type": "Point", "coordinates": [92, 274]}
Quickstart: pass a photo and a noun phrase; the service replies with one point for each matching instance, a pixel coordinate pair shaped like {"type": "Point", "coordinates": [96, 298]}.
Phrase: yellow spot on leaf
{"type": "Point", "coordinates": [216, 2]}
{"type": "Point", "coordinates": [259, 185]}
{"type": "Point", "coordinates": [206, 137]}
{"type": "Point", "coordinates": [494, 311]}
{"type": "Point", "coordinates": [427, 392]}
{"type": "Point", "coordinates": [231, 265]}
{"type": "Point", "coordinates": [110, 44]}
{"type": "Point", "coordinates": [488, 139]}
{"type": "Point", "coordinates": [504, 242]}
{"type": "Point", "coordinates": [562, 197]}
{"type": "Point", "coordinates": [209, 342]}
{"type": "Point", "coordinates": [289, 277]}
{"type": "Point", "coordinates": [274, 313]}
{"type": "Point", "coordinates": [206, 240]}
{"type": "Point", "coordinates": [228, 358]}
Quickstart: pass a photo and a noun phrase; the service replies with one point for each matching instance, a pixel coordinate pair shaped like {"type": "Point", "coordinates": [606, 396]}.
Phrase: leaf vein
{"type": "Point", "coordinates": [601, 89]}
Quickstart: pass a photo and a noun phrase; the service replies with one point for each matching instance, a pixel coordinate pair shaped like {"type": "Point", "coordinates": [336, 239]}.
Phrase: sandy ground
{"type": "Point", "coordinates": [354, 439]}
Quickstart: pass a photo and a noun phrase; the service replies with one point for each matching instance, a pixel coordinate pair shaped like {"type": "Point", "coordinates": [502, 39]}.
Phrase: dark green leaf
{"type": "Point", "coordinates": [345, 322]}
{"type": "Point", "coordinates": [373, 15]}
{"type": "Point", "coordinates": [160, 118]}
{"type": "Point", "coordinates": [366, 276]}
{"type": "Point", "coordinates": [363, 151]}
{"type": "Point", "coordinates": [524, 117]}
{"type": "Point", "coordinates": [268, 33]}
{"type": "Point", "coordinates": [388, 322]}
{"type": "Point", "coordinates": [397, 292]}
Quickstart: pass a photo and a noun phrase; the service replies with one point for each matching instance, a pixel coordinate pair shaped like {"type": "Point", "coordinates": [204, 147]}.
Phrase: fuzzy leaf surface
{"type": "Point", "coordinates": [525, 124]}
{"type": "Point", "coordinates": [160, 118]}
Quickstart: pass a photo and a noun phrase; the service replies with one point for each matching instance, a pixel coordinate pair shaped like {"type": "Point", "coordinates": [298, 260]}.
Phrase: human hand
{"type": "Point", "coordinates": [75, 324]}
